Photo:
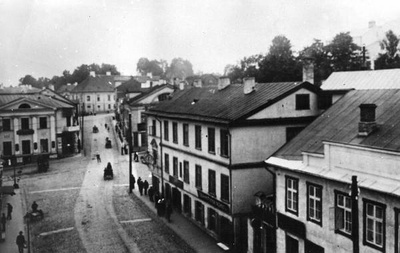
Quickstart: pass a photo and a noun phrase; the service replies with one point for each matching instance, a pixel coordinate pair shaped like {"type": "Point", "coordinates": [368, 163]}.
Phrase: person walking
{"type": "Point", "coordinates": [151, 193]}
{"type": "Point", "coordinates": [140, 185]}
{"type": "Point", "coordinates": [132, 178]}
{"type": "Point", "coordinates": [136, 157]}
{"type": "Point", "coordinates": [9, 211]}
{"type": "Point", "coordinates": [21, 242]}
{"type": "Point", "coordinates": [3, 222]}
{"type": "Point", "coordinates": [145, 186]}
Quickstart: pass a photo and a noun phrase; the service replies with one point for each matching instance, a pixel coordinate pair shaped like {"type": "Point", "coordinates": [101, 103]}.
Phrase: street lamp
{"type": "Point", "coordinates": [16, 186]}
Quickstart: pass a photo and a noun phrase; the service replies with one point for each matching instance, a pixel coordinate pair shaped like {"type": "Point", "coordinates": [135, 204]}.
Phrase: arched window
{"type": "Point", "coordinates": [24, 106]}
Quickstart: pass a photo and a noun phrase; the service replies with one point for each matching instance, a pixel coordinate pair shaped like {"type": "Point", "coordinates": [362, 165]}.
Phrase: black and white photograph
{"type": "Point", "coordinates": [202, 126]}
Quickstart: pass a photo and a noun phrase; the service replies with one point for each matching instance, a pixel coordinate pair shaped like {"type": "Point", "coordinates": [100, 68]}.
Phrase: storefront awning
{"type": "Point", "coordinates": [8, 189]}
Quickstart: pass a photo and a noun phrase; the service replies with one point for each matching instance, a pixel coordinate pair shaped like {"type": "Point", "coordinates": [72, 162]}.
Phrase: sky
{"type": "Point", "coordinates": [43, 38]}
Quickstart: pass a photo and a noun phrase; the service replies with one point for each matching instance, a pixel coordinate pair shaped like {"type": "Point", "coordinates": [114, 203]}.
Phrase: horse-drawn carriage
{"type": "Point", "coordinates": [34, 215]}
{"type": "Point", "coordinates": [108, 172]}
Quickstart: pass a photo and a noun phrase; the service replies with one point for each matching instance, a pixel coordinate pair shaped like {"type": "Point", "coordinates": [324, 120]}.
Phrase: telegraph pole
{"type": "Point", "coordinates": [354, 214]}
{"type": "Point", "coordinates": [130, 152]}
{"type": "Point", "coordinates": [82, 131]}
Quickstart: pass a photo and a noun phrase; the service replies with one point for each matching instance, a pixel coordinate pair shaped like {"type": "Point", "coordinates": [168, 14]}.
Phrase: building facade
{"type": "Point", "coordinates": [208, 147]}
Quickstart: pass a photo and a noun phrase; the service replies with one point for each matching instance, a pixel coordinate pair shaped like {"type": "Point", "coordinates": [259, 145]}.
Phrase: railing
{"type": "Point", "coordinates": [25, 131]}
{"type": "Point", "coordinates": [266, 214]}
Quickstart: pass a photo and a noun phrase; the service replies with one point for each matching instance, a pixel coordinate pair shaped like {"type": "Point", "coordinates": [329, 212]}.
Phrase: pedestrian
{"type": "Point", "coordinates": [136, 157]}
{"type": "Point", "coordinates": [3, 222]}
{"type": "Point", "coordinates": [156, 198]}
{"type": "Point", "coordinates": [168, 210]}
{"type": "Point", "coordinates": [133, 180]}
{"type": "Point", "coordinates": [145, 186]}
{"type": "Point", "coordinates": [21, 242]}
{"type": "Point", "coordinates": [140, 185]}
{"type": "Point", "coordinates": [34, 206]}
{"type": "Point", "coordinates": [9, 211]}
{"type": "Point", "coordinates": [98, 157]}
{"type": "Point", "coordinates": [151, 193]}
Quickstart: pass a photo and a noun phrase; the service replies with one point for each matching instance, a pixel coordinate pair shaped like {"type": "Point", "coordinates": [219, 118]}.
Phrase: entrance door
{"type": "Point", "coordinates": [292, 245]}
{"type": "Point", "coordinates": [225, 230]}
{"type": "Point", "coordinates": [176, 199]}
{"type": "Point", "coordinates": [26, 150]}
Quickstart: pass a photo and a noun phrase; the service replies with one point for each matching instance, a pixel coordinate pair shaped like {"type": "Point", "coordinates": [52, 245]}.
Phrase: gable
{"type": "Point", "coordinates": [24, 104]}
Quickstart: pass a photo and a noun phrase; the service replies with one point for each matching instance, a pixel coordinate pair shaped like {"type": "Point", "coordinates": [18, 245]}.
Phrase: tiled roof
{"type": "Point", "coordinates": [95, 84]}
{"type": "Point", "coordinates": [35, 98]}
{"type": "Point", "coordinates": [372, 79]}
{"type": "Point", "coordinates": [226, 105]}
{"type": "Point", "coordinates": [340, 124]}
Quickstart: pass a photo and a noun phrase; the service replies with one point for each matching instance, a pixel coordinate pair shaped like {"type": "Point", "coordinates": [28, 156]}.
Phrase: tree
{"type": "Point", "coordinates": [179, 68]}
{"type": "Point", "coordinates": [279, 65]}
{"type": "Point", "coordinates": [142, 66]}
{"type": "Point", "coordinates": [390, 59]}
{"type": "Point", "coordinates": [28, 80]}
{"type": "Point", "coordinates": [155, 67]}
{"type": "Point", "coordinates": [343, 54]}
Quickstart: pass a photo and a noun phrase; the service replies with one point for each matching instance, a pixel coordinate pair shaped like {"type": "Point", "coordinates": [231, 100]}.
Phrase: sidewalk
{"type": "Point", "coordinates": [16, 224]}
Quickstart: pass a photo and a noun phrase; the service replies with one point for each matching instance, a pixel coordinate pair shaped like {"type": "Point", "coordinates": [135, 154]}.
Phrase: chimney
{"type": "Point", "coordinates": [92, 73]}
{"type": "Point", "coordinates": [223, 82]}
{"type": "Point", "coordinates": [197, 83]}
{"type": "Point", "coordinates": [249, 85]}
{"type": "Point", "coordinates": [108, 73]}
{"type": "Point", "coordinates": [371, 24]}
{"type": "Point", "coordinates": [367, 123]}
{"type": "Point", "coordinates": [308, 69]}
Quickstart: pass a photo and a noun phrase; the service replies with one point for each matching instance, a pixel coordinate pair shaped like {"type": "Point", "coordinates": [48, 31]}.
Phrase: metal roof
{"type": "Point", "coordinates": [371, 79]}
{"type": "Point", "coordinates": [39, 98]}
{"type": "Point", "coordinates": [95, 84]}
{"type": "Point", "coordinates": [228, 104]}
{"type": "Point", "coordinates": [340, 124]}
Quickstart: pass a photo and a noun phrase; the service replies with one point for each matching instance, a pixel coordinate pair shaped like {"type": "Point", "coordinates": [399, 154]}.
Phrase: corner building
{"type": "Point", "coordinates": [209, 145]}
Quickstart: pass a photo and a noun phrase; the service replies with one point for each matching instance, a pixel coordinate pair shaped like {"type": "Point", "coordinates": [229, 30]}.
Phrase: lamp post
{"type": "Point", "coordinates": [130, 153]}
{"type": "Point", "coordinates": [16, 186]}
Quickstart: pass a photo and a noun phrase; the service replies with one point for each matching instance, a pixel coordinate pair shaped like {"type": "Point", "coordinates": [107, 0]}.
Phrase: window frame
{"type": "Point", "coordinates": [8, 124]}
{"type": "Point", "coordinates": [197, 137]}
{"type": "Point", "coordinates": [345, 209]}
{"type": "Point", "coordinates": [212, 182]}
{"type": "Point", "coordinates": [365, 213]}
{"type": "Point", "coordinates": [287, 209]}
{"type": "Point", "coordinates": [198, 177]}
{"type": "Point", "coordinates": [225, 188]}
{"type": "Point", "coordinates": [25, 123]}
{"type": "Point", "coordinates": [224, 142]}
{"type": "Point", "coordinates": [175, 165]}
{"type": "Point", "coordinates": [302, 102]}
{"type": "Point", "coordinates": [166, 130]}
{"type": "Point", "coordinates": [211, 140]}
{"type": "Point", "coordinates": [317, 203]}
{"type": "Point", "coordinates": [186, 176]}
{"type": "Point", "coordinates": [166, 163]}
{"type": "Point", "coordinates": [87, 98]}
{"type": "Point", "coordinates": [185, 134]}
{"type": "Point", "coordinates": [175, 132]}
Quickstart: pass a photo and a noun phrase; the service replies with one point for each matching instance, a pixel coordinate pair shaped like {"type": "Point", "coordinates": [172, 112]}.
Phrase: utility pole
{"type": "Point", "coordinates": [130, 152]}
{"type": "Point", "coordinates": [354, 215]}
{"type": "Point", "coordinates": [83, 113]}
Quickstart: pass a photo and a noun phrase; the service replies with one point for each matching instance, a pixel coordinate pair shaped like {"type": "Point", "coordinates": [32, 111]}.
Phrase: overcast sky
{"type": "Point", "coordinates": [44, 37]}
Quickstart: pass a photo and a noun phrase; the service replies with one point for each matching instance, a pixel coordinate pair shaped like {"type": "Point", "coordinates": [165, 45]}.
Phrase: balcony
{"type": "Point", "coordinates": [25, 131]}
{"type": "Point", "coordinates": [70, 128]}
{"type": "Point", "coordinates": [265, 214]}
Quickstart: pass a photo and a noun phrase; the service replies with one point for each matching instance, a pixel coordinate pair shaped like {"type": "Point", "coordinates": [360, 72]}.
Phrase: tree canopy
{"type": "Point", "coordinates": [390, 59]}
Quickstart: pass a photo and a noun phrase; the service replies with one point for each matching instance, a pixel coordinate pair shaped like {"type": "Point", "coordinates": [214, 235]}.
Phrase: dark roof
{"type": "Point", "coordinates": [361, 80]}
{"type": "Point", "coordinates": [95, 84]}
{"type": "Point", "coordinates": [131, 86]}
{"type": "Point", "coordinates": [35, 98]}
{"type": "Point", "coordinates": [340, 124]}
{"type": "Point", "coordinates": [135, 100]}
{"type": "Point", "coordinates": [228, 104]}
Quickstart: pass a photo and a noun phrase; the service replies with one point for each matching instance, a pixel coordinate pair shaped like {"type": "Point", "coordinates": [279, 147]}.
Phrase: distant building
{"type": "Point", "coordinates": [208, 147]}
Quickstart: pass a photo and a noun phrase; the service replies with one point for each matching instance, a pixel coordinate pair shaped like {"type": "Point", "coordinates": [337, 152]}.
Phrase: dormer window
{"type": "Point", "coordinates": [303, 102]}
{"type": "Point", "coordinates": [24, 106]}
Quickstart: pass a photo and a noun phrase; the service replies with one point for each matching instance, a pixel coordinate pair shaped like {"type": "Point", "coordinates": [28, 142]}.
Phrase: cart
{"type": "Point", "coordinates": [108, 172]}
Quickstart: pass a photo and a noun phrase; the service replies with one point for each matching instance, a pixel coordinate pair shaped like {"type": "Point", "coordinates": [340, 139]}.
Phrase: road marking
{"type": "Point", "coordinates": [54, 190]}
{"type": "Point", "coordinates": [56, 231]}
{"type": "Point", "coordinates": [137, 220]}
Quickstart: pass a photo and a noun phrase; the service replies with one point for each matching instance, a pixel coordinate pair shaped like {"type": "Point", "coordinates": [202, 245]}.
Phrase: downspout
{"type": "Point", "coordinates": [161, 157]}
{"type": "Point", "coordinates": [274, 200]}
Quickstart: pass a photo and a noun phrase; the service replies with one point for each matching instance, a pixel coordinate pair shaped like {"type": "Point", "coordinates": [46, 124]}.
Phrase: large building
{"type": "Point", "coordinates": [209, 144]}
{"type": "Point", "coordinates": [337, 182]}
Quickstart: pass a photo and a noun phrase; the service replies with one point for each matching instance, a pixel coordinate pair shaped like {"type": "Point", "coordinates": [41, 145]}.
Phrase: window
{"type": "Point", "coordinates": [88, 98]}
{"type": "Point", "coordinates": [6, 124]}
{"type": "Point", "coordinates": [186, 172]}
{"type": "Point", "coordinates": [292, 245]}
{"type": "Point", "coordinates": [108, 97]}
{"type": "Point", "coordinates": [199, 212]}
{"type": "Point", "coordinates": [198, 137]}
{"type": "Point", "coordinates": [225, 188]}
{"type": "Point", "coordinates": [198, 176]}
{"type": "Point", "coordinates": [24, 123]}
{"type": "Point", "coordinates": [212, 219]}
{"type": "Point", "coordinates": [109, 106]}
{"type": "Point", "coordinates": [175, 132]}
{"type": "Point", "coordinates": [211, 140]}
{"type": "Point", "coordinates": [211, 182]}
{"type": "Point", "coordinates": [224, 143]}
{"type": "Point", "coordinates": [314, 203]}
{"type": "Point", "coordinates": [292, 195]}
{"type": "Point", "coordinates": [186, 134]}
{"type": "Point", "coordinates": [153, 128]}
{"type": "Point", "coordinates": [175, 166]}
{"type": "Point", "coordinates": [374, 224]}
{"type": "Point", "coordinates": [68, 121]}
{"type": "Point", "coordinates": [343, 213]}
{"type": "Point", "coordinates": [7, 148]}
{"type": "Point", "coordinates": [98, 98]}
{"type": "Point", "coordinates": [166, 163]}
{"type": "Point", "coordinates": [166, 130]}
{"type": "Point", "coordinates": [302, 101]}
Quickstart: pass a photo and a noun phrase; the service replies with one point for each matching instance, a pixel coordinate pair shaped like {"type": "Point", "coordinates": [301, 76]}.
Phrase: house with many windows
{"type": "Point", "coordinates": [35, 122]}
{"type": "Point", "coordinates": [209, 146]}
{"type": "Point", "coordinates": [337, 182]}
